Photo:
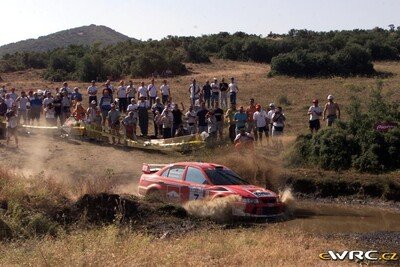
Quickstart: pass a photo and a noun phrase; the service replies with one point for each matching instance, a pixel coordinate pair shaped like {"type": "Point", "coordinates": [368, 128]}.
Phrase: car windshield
{"type": "Point", "coordinates": [224, 177]}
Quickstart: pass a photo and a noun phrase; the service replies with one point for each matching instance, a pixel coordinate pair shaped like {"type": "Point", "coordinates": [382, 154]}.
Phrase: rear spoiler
{"type": "Point", "coordinates": [152, 168]}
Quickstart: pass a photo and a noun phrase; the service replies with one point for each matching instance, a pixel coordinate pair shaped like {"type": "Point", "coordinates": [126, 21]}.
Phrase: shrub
{"type": "Point", "coordinates": [196, 54]}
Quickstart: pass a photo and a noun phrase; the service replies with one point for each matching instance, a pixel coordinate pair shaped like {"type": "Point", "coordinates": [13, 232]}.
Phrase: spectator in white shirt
{"type": "Point", "coordinates": [315, 113]}
{"type": "Point", "coordinates": [152, 91]}
{"type": "Point", "coordinates": [121, 94]}
{"type": "Point", "coordinates": [131, 91]}
{"type": "Point", "coordinates": [278, 122]}
{"type": "Point", "coordinates": [269, 116]}
{"type": "Point", "coordinates": [9, 101]}
{"type": "Point", "coordinates": [215, 92]}
{"type": "Point", "coordinates": [92, 92]}
{"type": "Point", "coordinates": [260, 117]}
{"type": "Point", "coordinates": [13, 95]}
{"type": "Point", "coordinates": [194, 91]}
{"type": "Point", "coordinates": [191, 117]}
{"type": "Point", "coordinates": [22, 101]}
{"type": "Point", "coordinates": [233, 90]}
{"type": "Point", "coordinates": [165, 92]}
{"type": "Point", "coordinates": [49, 99]}
{"type": "Point", "coordinates": [142, 91]}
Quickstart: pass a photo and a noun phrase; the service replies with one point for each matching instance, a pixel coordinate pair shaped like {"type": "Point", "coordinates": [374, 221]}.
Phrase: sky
{"type": "Point", "coordinates": [155, 19]}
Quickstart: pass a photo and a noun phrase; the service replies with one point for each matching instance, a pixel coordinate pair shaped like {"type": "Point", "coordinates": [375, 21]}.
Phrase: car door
{"type": "Point", "coordinates": [171, 182]}
{"type": "Point", "coordinates": [195, 183]}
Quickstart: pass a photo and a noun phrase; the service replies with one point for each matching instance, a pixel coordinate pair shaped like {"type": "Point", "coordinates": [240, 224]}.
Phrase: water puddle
{"type": "Point", "coordinates": [338, 218]}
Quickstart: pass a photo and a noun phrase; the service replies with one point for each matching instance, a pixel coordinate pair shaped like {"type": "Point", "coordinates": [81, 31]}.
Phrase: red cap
{"type": "Point", "coordinates": [315, 101]}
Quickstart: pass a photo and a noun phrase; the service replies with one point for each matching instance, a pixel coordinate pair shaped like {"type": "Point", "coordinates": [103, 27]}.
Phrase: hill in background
{"type": "Point", "coordinates": [85, 35]}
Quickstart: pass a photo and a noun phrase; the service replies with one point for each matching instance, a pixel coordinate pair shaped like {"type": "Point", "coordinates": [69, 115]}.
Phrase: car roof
{"type": "Point", "coordinates": [202, 165]}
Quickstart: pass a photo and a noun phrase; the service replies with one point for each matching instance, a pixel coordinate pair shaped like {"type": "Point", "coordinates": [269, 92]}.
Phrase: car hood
{"type": "Point", "coordinates": [249, 191]}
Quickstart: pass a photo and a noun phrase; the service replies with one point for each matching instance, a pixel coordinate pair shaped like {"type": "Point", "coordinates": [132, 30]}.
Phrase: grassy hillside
{"type": "Point", "coordinates": [85, 35]}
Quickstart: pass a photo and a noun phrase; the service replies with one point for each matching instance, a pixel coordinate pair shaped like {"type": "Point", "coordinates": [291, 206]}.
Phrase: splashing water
{"type": "Point", "coordinates": [219, 209]}
{"type": "Point", "coordinates": [286, 196]}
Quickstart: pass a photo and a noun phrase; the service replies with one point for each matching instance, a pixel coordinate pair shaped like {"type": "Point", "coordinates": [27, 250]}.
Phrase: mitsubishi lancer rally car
{"type": "Point", "coordinates": [184, 181]}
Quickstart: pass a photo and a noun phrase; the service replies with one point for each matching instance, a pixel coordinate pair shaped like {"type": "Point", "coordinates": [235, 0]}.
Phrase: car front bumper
{"type": "Point", "coordinates": [240, 209]}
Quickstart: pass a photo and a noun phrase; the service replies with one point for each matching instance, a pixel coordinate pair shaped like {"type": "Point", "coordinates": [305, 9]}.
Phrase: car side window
{"type": "Point", "coordinates": [174, 172]}
{"type": "Point", "coordinates": [194, 175]}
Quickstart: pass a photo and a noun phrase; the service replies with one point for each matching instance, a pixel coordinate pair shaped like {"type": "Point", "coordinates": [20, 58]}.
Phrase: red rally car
{"type": "Point", "coordinates": [184, 181]}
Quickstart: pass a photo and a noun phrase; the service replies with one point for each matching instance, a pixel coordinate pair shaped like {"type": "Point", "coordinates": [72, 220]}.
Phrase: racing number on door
{"type": "Point", "coordinates": [196, 193]}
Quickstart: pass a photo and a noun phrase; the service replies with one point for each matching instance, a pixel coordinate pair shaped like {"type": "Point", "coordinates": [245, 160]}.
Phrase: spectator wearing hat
{"type": "Point", "coordinates": [92, 92]}
{"type": "Point", "coordinates": [278, 122]}
{"type": "Point", "coordinates": [315, 113]}
{"type": "Point", "coordinates": [260, 118]}
{"type": "Point", "coordinates": [76, 95]}
{"type": "Point", "coordinates": [215, 91]}
{"type": "Point", "coordinates": [233, 90]}
{"type": "Point", "coordinates": [206, 93]}
{"type": "Point", "coordinates": [223, 88]}
{"type": "Point", "coordinates": [122, 99]}
{"type": "Point", "coordinates": [165, 92]}
{"type": "Point", "coordinates": [331, 111]}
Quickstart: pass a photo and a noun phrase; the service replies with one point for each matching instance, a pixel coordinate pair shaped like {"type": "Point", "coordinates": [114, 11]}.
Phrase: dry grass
{"type": "Point", "coordinates": [112, 246]}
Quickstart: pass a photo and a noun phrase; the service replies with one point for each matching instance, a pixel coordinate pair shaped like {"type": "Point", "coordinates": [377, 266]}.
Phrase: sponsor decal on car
{"type": "Point", "coordinates": [196, 193]}
{"type": "Point", "coordinates": [261, 194]}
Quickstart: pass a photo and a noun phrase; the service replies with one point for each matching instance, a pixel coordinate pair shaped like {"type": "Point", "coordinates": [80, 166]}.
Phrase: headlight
{"type": "Point", "coordinates": [248, 200]}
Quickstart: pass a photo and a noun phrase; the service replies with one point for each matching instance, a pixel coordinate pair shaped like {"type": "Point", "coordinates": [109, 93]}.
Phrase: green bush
{"type": "Point", "coordinates": [196, 54]}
